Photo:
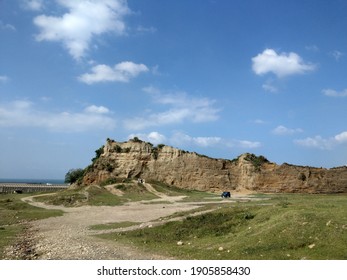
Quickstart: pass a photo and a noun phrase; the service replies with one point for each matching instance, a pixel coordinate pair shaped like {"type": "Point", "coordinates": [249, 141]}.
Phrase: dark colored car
{"type": "Point", "coordinates": [225, 194]}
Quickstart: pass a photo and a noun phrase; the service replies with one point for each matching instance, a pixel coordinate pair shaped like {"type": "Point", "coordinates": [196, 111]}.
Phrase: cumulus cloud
{"type": "Point", "coordinates": [212, 141]}
{"type": "Point", "coordinates": [3, 79]}
{"type": "Point", "coordinates": [258, 121]}
{"type": "Point", "coordinates": [182, 107]}
{"type": "Point", "coordinates": [312, 48]}
{"type": "Point", "coordinates": [334, 93]}
{"type": "Point", "coordinates": [270, 88]}
{"type": "Point", "coordinates": [22, 113]}
{"type": "Point", "coordinates": [246, 144]}
{"type": "Point", "coordinates": [282, 130]}
{"type": "Point", "coordinates": [180, 138]}
{"type": "Point", "coordinates": [97, 109]}
{"type": "Point", "coordinates": [121, 72]}
{"type": "Point", "coordinates": [152, 137]}
{"type": "Point", "coordinates": [33, 5]}
{"type": "Point", "coordinates": [341, 138]}
{"type": "Point", "coordinates": [336, 54]}
{"type": "Point", "coordinates": [243, 144]}
{"type": "Point", "coordinates": [283, 64]}
{"type": "Point", "coordinates": [142, 29]}
{"type": "Point", "coordinates": [6, 26]}
{"type": "Point", "coordinates": [83, 20]}
{"type": "Point", "coordinates": [319, 142]}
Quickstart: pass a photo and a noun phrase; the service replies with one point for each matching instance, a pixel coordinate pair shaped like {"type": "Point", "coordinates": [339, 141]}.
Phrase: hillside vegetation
{"type": "Point", "coordinates": [111, 192]}
{"type": "Point", "coordinates": [284, 227]}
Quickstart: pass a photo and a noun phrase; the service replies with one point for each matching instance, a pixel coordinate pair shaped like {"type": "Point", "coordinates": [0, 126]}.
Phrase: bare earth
{"type": "Point", "coordinates": [68, 237]}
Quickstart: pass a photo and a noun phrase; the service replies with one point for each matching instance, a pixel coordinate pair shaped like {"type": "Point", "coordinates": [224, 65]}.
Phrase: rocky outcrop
{"type": "Point", "coordinates": [138, 159]}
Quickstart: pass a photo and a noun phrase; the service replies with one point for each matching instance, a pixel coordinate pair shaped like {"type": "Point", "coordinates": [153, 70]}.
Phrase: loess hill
{"type": "Point", "coordinates": [189, 170]}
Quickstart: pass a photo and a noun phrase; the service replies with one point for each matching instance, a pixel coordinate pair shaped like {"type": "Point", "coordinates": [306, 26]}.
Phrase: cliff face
{"type": "Point", "coordinates": [137, 159]}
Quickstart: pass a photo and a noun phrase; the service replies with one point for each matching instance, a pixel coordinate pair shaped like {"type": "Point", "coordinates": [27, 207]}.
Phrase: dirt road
{"type": "Point", "coordinates": [68, 237]}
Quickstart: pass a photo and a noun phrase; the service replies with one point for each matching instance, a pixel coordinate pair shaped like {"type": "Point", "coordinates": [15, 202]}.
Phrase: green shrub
{"type": "Point", "coordinates": [257, 161]}
{"type": "Point", "coordinates": [98, 153]}
{"type": "Point", "coordinates": [74, 175]}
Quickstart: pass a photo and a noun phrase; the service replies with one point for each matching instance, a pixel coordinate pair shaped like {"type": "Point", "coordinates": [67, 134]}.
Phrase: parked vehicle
{"type": "Point", "coordinates": [225, 194]}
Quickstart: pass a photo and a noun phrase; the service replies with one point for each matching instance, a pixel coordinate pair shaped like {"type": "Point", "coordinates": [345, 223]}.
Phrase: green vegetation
{"type": "Point", "coordinates": [98, 153]}
{"type": "Point", "coordinates": [119, 149]}
{"type": "Point", "coordinates": [74, 175]}
{"type": "Point", "coordinates": [167, 189]}
{"type": "Point", "coordinates": [136, 139]}
{"type": "Point", "coordinates": [292, 226]}
{"type": "Point", "coordinates": [13, 213]}
{"type": "Point", "coordinates": [100, 195]}
{"type": "Point", "coordinates": [111, 181]}
{"type": "Point", "coordinates": [257, 161]}
{"type": "Point", "coordinates": [191, 195]}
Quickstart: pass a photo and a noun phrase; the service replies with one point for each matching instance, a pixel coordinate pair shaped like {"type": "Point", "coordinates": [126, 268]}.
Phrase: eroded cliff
{"type": "Point", "coordinates": [138, 159]}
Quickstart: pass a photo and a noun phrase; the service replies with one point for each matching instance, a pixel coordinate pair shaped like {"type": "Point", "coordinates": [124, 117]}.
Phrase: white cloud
{"type": "Point", "coordinates": [212, 141]}
{"type": "Point", "coordinates": [312, 48]}
{"type": "Point", "coordinates": [141, 29]}
{"type": "Point", "coordinates": [152, 137]}
{"type": "Point", "coordinates": [284, 64]}
{"type": "Point", "coordinates": [84, 19]}
{"type": "Point", "coordinates": [206, 141]}
{"type": "Point", "coordinates": [33, 5]}
{"type": "Point", "coordinates": [319, 142]}
{"type": "Point", "coordinates": [7, 26]}
{"type": "Point", "coordinates": [3, 79]}
{"type": "Point", "coordinates": [341, 138]}
{"type": "Point", "coordinates": [245, 144]}
{"type": "Point", "coordinates": [181, 139]}
{"type": "Point", "coordinates": [270, 88]}
{"type": "Point", "coordinates": [334, 93]}
{"type": "Point", "coordinates": [152, 90]}
{"type": "Point", "coordinates": [22, 113]}
{"type": "Point", "coordinates": [336, 54]}
{"type": "Point", "coordinates": [258, 121]}
{"type": "Point", "coordinates": [97, 109]}
{"type": "Point", "coordinates": [121, 72]}
{"type": "Point", "coordinates": [282, 130]}
{"type": "Point", "coordinates": [314, 142]}
{"type": "Point", "coordinates": [181, 108]}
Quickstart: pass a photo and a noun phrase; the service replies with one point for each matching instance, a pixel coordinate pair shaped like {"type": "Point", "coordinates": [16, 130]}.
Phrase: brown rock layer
{"type": "Point", "coordinates": [138, 159]}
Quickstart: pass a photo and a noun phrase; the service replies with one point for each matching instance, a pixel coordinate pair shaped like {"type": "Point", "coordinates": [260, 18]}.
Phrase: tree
{"type": "Point", "coordinates": [73, 175]}
{"type": "Point", "coordinates": [98, 153]}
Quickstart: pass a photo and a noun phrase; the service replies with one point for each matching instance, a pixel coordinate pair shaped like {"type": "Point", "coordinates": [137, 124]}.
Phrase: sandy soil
{"type": "Point", "coordinates": [68, 237]}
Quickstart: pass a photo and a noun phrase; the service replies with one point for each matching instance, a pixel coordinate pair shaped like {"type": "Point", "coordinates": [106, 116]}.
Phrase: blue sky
{"type": "Point", "coordinates": [219, 77]}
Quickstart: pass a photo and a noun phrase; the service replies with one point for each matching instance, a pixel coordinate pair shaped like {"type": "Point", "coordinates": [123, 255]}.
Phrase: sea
{"type": "Point", "coordinates": [33, 181]}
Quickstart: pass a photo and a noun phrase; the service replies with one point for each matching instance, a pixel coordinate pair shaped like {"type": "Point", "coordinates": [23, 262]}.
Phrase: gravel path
{"type": "Point", "coordinates": [68, 237]}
